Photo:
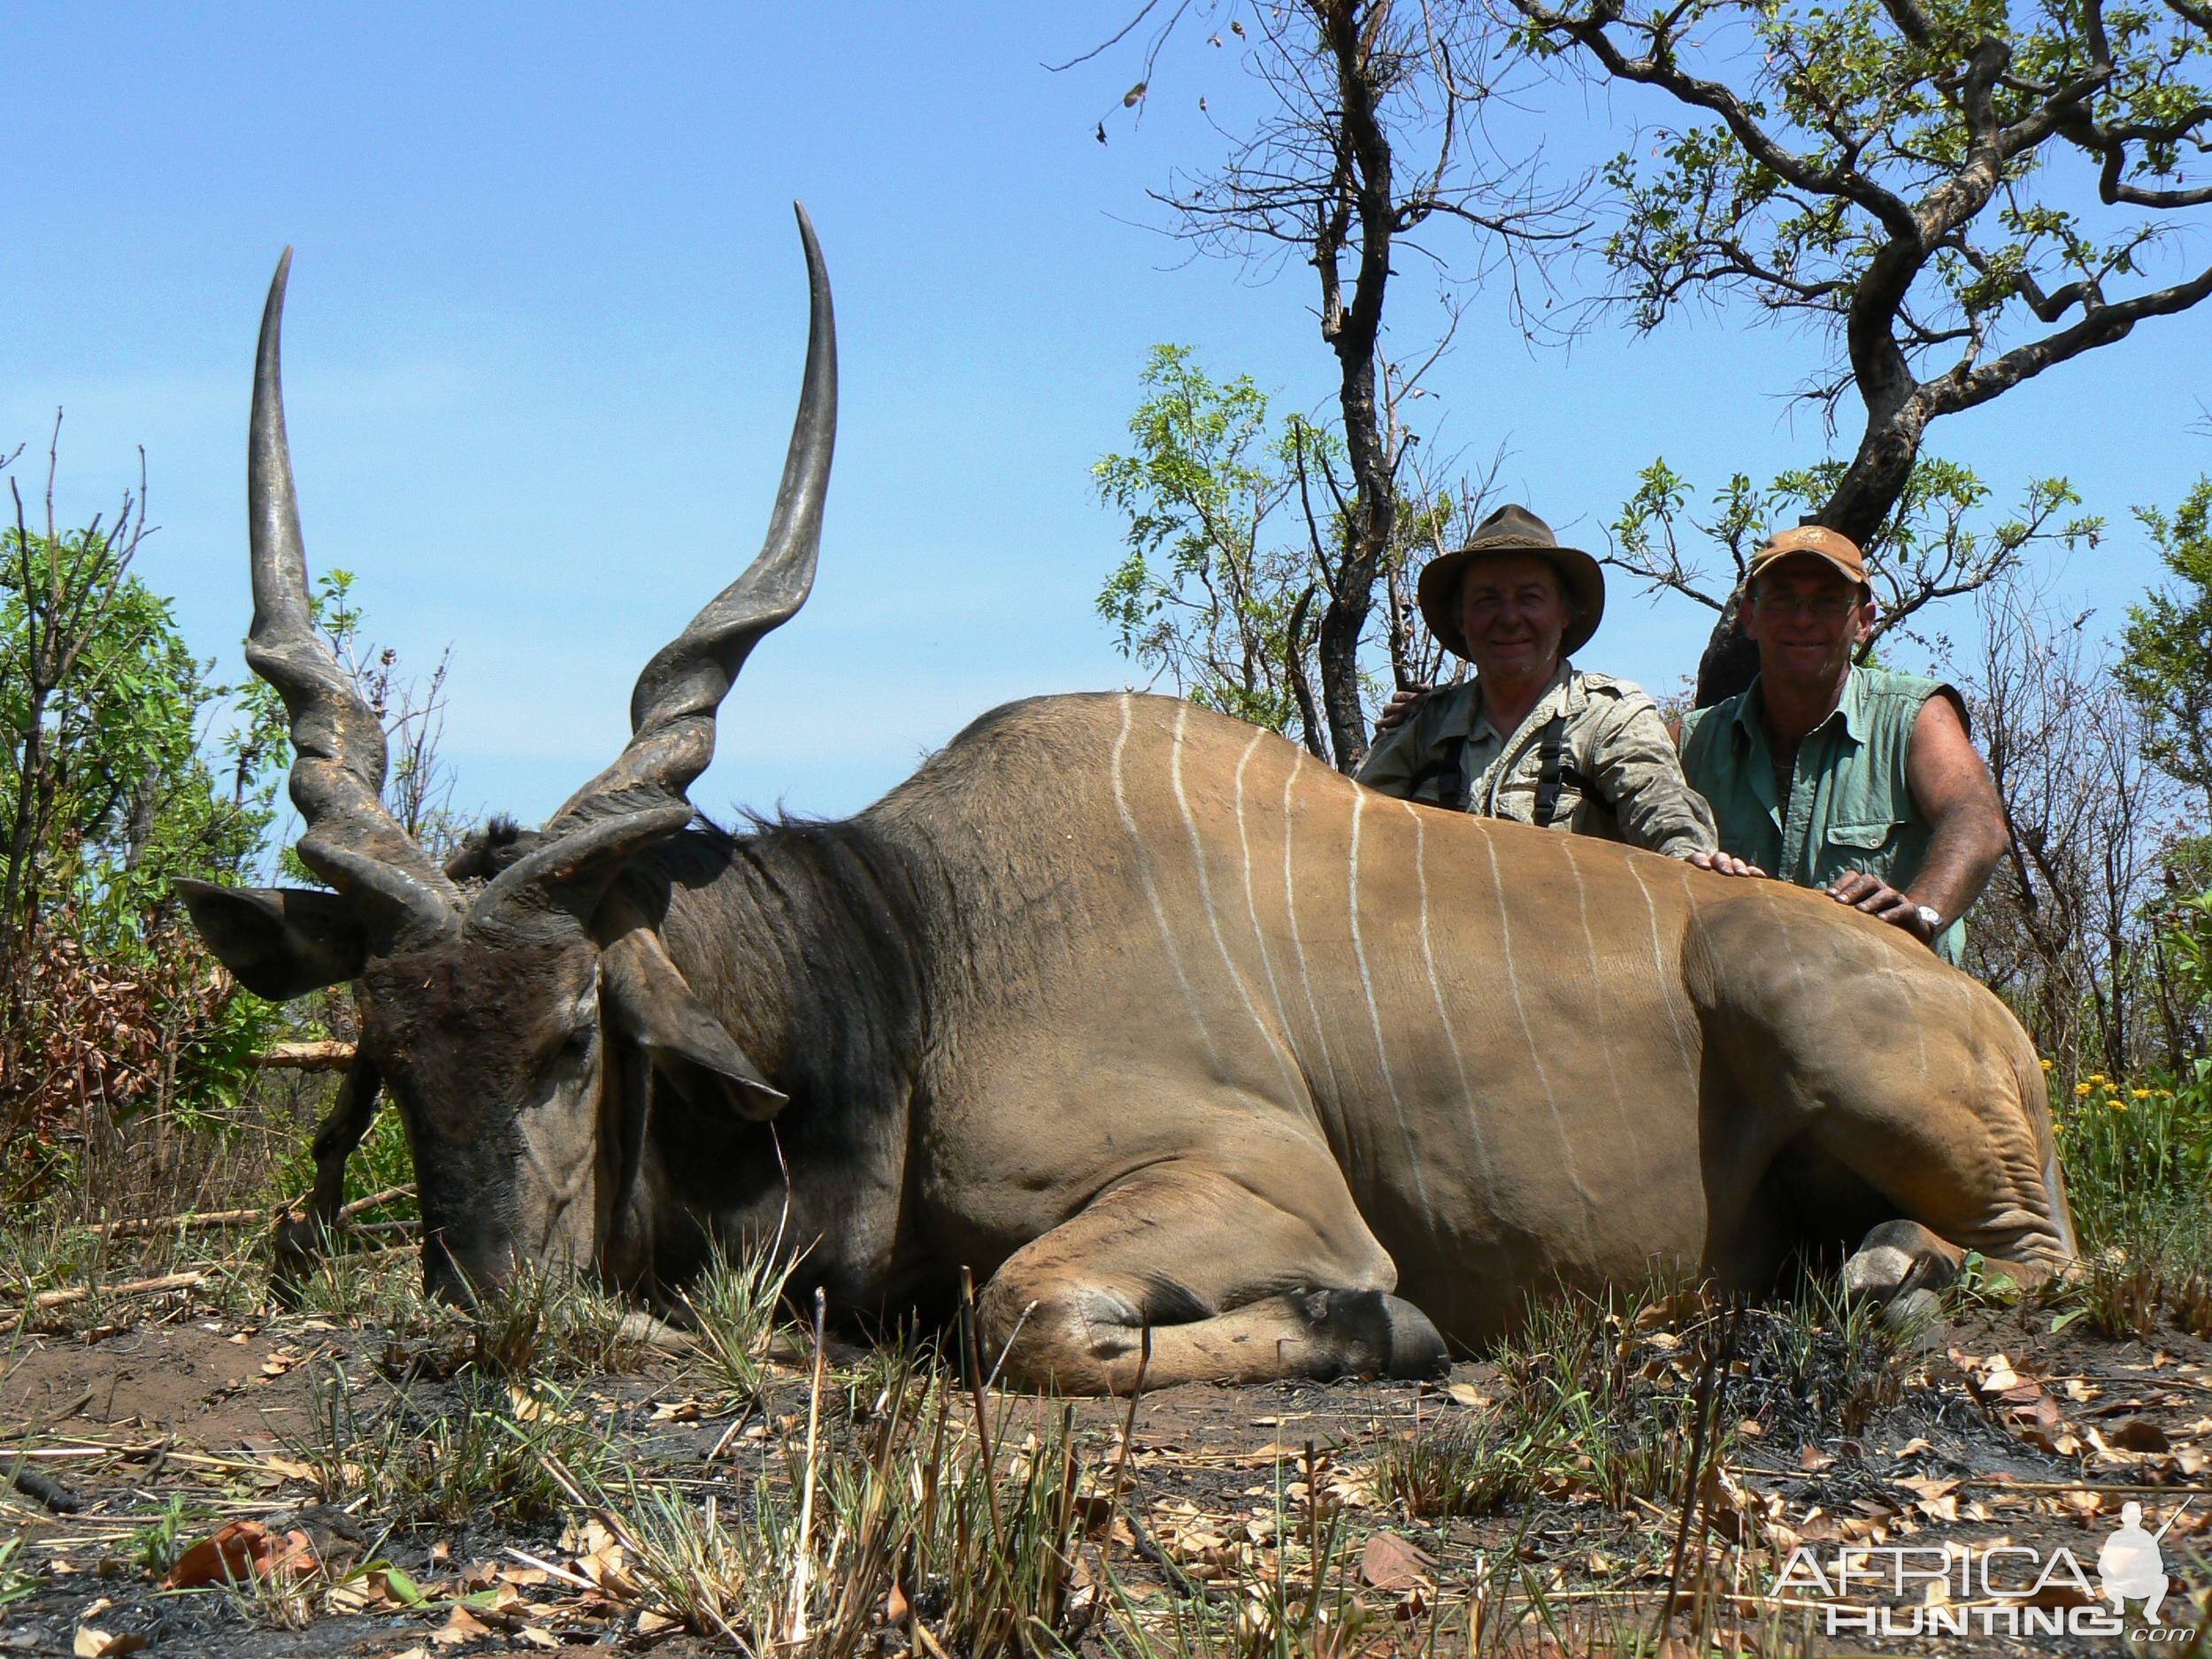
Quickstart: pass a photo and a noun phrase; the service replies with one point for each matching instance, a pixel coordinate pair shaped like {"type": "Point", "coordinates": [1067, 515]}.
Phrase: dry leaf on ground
{"type": "Point", "coordinates": [1394, 1564]}
{"type": "Point", "coordinates": [460, 1626]}
{"type": "Point", "coordinates": [99, 1644]}
{"type": "Point", "coordinates": [241, 1551]}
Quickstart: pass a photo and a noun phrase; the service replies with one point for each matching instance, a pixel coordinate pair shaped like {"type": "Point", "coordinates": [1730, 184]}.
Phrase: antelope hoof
{"type": "Point", "coordinates": [1417, 1346]}
{"type": "Point", "coordinates": [1879, 1274]}
{"type": "Point", "coordinates": [1375, 1335]}
{"type": "Point", "coordinates": [1899, 1268]}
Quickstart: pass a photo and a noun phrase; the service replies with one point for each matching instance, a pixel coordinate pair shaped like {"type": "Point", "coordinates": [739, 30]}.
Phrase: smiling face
{"type": "Point", "coordinates": [1807, 617]}
{"type": "Point", "coordinates": [1512, 613]}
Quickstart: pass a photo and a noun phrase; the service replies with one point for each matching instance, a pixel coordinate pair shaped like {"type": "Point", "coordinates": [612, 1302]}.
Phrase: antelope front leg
{"type": "Point", "coordinates": [1224, 1283]}
{"type": "Point", "coordinates": [298, 1241]}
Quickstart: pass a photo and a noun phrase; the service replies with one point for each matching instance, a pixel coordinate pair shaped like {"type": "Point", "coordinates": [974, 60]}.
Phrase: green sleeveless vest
{"type": "Point", "coordinates": [1850, 808]}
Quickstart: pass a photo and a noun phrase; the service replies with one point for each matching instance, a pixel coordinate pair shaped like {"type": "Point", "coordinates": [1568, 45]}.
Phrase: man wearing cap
{"type": "Point", "coordinates": [1530, 737]}
{"type": "Point", "coordinates": [1857, 780]}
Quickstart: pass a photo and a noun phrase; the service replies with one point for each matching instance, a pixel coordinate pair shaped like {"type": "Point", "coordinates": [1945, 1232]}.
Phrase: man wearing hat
{"type": "Point", "coordinates": [1831, 775]}
{"type": "Point", "coordinates": [1530, 737]}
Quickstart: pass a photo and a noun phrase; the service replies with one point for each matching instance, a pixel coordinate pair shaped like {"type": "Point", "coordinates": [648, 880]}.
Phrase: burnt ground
{"type": "Point", "coordinates": [165, 1424]}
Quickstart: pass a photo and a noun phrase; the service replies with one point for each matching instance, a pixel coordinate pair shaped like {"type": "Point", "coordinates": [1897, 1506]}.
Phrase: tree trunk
{"type": "Point", "coordinates": [1861, 505]}
{"type": "Point", "coordinates": [1301, 687]}
{"type": "Point", "coordinates": [1350, 29]}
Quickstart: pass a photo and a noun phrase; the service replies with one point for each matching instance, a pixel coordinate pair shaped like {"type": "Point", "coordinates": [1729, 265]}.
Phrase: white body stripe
{"type": "Point", "coordinates": [1152, 894]}
{"type": "Point", "coordinates": [1213, 917]}
{"type": "Point", "coordinates": [1666, 978]}
{"type": "Point", "coordinates": [1528, 1033]}
{"type": "Point", "coordinates": [1443, 1014]}
{"type": "Point", "coordinates": [1297, 945]}
{"type": "Point", "coordinates": [1374, 1013]}
{"type": "Point", "coordinates": [1251, 902]}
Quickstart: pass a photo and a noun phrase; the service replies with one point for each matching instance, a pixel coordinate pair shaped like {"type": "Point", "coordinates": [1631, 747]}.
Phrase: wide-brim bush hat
{"type": "Point", "coordinates": [1513, 530]}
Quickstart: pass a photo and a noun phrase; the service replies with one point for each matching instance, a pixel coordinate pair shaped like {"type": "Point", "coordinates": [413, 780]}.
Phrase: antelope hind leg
{"type": "Point", "coordinates": [1225, 1284]}
{"type": "Point", "coordinates": [1961, 1152]}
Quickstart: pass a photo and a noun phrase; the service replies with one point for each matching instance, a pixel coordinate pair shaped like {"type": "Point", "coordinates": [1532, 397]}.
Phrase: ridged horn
{"type": "Point", "coordinates": [337, 742]}
{"type": "Point", "coordinates": [672, 709]}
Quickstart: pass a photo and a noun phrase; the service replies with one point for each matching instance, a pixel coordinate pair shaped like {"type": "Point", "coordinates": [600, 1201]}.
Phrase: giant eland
{"type": "Point", "coordinates": [1185, 1043]}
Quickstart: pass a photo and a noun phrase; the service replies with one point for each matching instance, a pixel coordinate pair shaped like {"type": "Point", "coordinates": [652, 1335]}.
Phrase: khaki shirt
{"type": "Point", "coordinates": [1621, 780]}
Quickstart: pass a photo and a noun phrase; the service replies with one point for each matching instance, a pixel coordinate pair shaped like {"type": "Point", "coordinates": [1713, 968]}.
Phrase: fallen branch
{"type": "Point", "coordinates": [140, 1227]}
{"type": "Point", "coordinates": [50, 1299]}
{"type": "Point", "coordinates": [388, 1196]}
{"type": "Point", "coordinates": [51, 1493]}
{"type": "Point", "coordinates": [305, 1057]}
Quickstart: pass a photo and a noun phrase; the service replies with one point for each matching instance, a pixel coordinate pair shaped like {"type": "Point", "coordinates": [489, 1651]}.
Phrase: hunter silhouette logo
{"type": "Point", "coordinates": [1996, 1589]}
{"type": "Point", "coordinates": [2130, 1566]}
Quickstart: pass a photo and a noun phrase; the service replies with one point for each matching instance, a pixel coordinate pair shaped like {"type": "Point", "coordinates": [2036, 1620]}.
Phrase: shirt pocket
{"type": "Point", "coordinates": [1864, 835]}
{"type": "Point", "coordinates": [1516, 799]}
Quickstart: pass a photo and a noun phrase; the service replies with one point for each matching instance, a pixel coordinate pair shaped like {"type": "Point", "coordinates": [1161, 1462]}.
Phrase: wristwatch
{"type": "Point", "coordinates": [1929, 917]}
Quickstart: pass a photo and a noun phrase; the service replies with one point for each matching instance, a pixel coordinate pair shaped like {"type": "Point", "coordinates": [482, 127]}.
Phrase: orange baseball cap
{"type": "Point", "coordinates": [1840, 551]}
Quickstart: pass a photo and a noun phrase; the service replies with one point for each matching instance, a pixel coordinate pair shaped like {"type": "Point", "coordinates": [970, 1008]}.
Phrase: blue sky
{"type": "Point", "coordinates": [547, 311]}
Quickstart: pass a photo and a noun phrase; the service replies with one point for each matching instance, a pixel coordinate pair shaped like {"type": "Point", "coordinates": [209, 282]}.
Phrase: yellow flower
{"type": "Point", "coordinates": [2081, 1088]}
{"type": "Point", "coordinates": [2117, 1105]}
{"type": "Point", "coordinates": [2139, 1094]}
{"type": "Point", "coordinates": [2047, 1064]}
{"type": "Point", "coordinates": [2096, 1077]}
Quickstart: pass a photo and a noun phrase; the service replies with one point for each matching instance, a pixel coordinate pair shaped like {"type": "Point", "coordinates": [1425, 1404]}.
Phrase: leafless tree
{"type": "Point", "coordinates": [1369, 145]}
{"type": "Point", "coordinates": [2067, 930]}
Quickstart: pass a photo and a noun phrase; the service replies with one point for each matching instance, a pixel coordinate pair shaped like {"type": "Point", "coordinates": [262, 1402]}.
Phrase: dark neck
{"type": "Point", "coordinates": [804, 940]}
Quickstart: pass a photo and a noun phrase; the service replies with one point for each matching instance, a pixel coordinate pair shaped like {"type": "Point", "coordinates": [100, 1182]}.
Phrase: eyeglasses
{"type": "Point", "coordinates": [1823, 607]}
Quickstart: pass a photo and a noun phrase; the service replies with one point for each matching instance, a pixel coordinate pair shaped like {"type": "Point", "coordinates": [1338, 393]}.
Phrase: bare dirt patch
{"type": "Point", "coordinates": [1226, 1507]}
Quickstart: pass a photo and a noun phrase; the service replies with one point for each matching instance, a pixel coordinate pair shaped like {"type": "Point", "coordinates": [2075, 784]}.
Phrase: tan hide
{"type": "Point", "coordinates": [1280, 1034]}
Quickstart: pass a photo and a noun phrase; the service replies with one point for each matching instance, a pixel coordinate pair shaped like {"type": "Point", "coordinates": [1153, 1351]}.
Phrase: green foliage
{"type": "Point", "coordinates": [1217, 592]}
{"type": "Point", "coordinates": [108, 1005]}
{"type": "Point", "coordinates": [18, 1578]}
{"type": "Point", "coordinates": [134, 804]}
{"type": "Point", "coordinates": [494, 1453]}
{"type": "Point", "coordinates": [1203, 596]}
{"type": "Point", "coordinates": [734, 1310]}
{"type": "Point", "coordinates": [1938, 538]}
{"type": "Point", "coordinates": [156, 1546]}
{"type": "Point", "coordinates": [2167, 667]}
{"type": "Point", "coordinates": [1861, 113]}
{"type": "Point", "coordinates": [382, 1162]}
{"type": "Point", "coordinates": [2135, 1150]}
{"type": "Point", "coordinates": [980, 1536]}
{"type": "Point", "coordinates": [1478, 1461]}
{"type": "Point", "coordinates": [1902, 181]}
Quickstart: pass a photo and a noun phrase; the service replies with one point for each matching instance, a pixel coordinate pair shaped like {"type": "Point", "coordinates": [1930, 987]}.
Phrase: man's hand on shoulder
{"type": "Point", "coordinates": [1401, 707]}
{"type": "Point", "coordinates": [1880, 900]}
{"type": "Point", "coordinates": [1725, 865]}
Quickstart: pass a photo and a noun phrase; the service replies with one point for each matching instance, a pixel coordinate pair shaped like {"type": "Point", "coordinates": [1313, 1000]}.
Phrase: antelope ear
{"type": "Point", "coordinates": [656, 1007]}
{"type": "Point", "coordinates": [281, 942]}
